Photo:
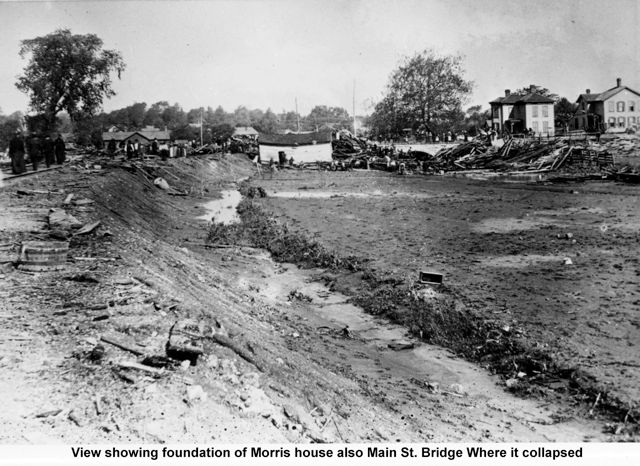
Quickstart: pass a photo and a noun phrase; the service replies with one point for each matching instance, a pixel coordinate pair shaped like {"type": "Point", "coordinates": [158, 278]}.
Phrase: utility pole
{"type": "Point", "coordinates": [201, 125]}
{"type": "Point", "coordinates": [297, 116]}
{"type": "Point", "coordinates": [354, 108]}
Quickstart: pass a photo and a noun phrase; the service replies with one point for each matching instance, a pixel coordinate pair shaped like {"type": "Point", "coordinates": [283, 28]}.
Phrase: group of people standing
{"type": "Point", "coordinates": [135, 149]}
{"type": "Point", "coordinates": [37, 148]}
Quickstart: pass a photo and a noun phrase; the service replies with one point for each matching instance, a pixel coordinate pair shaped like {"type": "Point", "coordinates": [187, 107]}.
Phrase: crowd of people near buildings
{"type": "Point", "coordinates": [136, 148]}
{"type": "Point", "coordinates": [427, 138]}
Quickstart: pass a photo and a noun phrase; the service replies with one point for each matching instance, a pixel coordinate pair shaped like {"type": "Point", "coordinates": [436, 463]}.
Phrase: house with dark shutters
{"type": "Point", "coordinates": [614, 110]}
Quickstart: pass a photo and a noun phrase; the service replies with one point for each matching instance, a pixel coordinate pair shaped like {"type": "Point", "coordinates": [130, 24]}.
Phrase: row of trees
{"type": "Point", "coordinates": [162, 114]}
{"type": "Point", "coordinates": [68, 76]}
{"type": "Point", "coordinates": [216, 124]}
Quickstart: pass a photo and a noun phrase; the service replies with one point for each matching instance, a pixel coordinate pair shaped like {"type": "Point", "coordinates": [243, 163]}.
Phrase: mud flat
{"type": "Point", "coordinates": [555, 264]}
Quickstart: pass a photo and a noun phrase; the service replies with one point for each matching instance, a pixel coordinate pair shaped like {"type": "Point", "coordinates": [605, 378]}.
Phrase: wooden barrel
{"type": "Point", "coordinates": [43, 256]}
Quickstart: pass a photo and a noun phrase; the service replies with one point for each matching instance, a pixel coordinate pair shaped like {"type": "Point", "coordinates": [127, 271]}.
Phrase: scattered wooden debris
{"type": "Point", "coordinates": [117, 342]}
{"type": "Point", "coordinates": [140, 367]}
{"type": "Point", "coordinates": [401, 345]}
{"type": "Point", "coordinates": [88, 228]}
{"type": "Point", "coordinates": [185, 341]}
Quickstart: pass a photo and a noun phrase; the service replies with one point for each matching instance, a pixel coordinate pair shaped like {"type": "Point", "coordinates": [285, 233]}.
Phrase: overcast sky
{"type": "Point", "coordinates": [268, 53]}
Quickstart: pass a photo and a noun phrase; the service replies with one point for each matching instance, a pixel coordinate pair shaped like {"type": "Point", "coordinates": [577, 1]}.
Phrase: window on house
{"type": "Point", "coordinates": [545, 126]}
{"type": "Point", "coordinates": [534, 111]}
{"type": "Point", "coordinates": [612, 107]}
{"type": "Point", "coordinates": [612, 122]}
{"type": "Point", "coordinates": [620, 106]}
{"type": "Point", "coordinates": [621, 122]}
{"type": "Point", "coordinates": [632, 121]}
{"type": "Point", "coordinates": [632, 105]}
{"type": "Point", "coordinates": [545, 110]}
{"type": "Point", "coordinates": [534, 126]}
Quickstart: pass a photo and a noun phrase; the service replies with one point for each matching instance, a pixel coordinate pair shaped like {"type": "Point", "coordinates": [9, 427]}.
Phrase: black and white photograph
{"type": "Point", "coordinates": [320, 230]}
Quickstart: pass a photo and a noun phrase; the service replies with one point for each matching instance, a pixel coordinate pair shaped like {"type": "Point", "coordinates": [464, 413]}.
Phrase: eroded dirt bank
{"type": "Point", "coordinates": [146, 267]}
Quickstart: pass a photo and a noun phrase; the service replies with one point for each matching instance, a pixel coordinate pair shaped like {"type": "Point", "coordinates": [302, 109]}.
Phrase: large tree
{"type": "Point", "coordinates": [69, 72]}
{"type": "Point", "coordinates": [268, 123]}
{"type": "Point", "coordinates": [424, 92]}
{"type": "Point", "coordinates": [337, 117]}
{"type": "Point", "coordinates": [475, 119]}
{"type": "Point", "coordinates": [564, 111]}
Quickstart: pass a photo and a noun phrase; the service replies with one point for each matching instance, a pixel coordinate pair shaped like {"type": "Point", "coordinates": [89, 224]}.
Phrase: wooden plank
{"type": "Point", "coordinates": [122, 345]}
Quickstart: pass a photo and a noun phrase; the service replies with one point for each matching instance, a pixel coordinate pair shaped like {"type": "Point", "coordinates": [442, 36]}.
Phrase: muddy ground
{"type": "Point", "coordinates": [557, 263]}
{"type": "Point", "coordinates": [291, 374]}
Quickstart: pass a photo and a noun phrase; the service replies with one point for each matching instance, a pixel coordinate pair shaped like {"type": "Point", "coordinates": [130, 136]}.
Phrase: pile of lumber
{"type": "Point", "coordinates": [348, 146]}
{"type": "Point", "coordinates": [620, 145]}
{"type": "Point", "coordinates": [460, 156]}
{"type": "Point", "coordinates": [522, 155]}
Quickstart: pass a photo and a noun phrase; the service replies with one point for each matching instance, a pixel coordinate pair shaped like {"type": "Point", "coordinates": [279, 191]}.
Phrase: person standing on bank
{"type": "Point", "coordinates": [33, 147]}
{"type": "Point", "coordinates": [59, 150]}
{"type": "Point", "coordinates": [129, 150]}
{"type": "Point", "coordinates": [48, 151]}
{"type": "Point", "coordinates": [154, 147]}
{"type": "Point", "coordinates": [111, 147]}
{"type": "Point", "coordinates": [16, 153]}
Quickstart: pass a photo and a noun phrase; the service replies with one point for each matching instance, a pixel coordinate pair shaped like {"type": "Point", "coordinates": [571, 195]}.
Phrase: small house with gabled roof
{"type": "Point", "coordinates": [145, 136]}
{"type": "Point", "coordinates": [245, 131]}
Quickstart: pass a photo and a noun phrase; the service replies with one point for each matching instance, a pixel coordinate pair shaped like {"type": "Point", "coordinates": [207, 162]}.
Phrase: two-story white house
{"type": "Point", "coordinates": [614, 110]}
{"type": "Point", "coordinates": [516, 113]}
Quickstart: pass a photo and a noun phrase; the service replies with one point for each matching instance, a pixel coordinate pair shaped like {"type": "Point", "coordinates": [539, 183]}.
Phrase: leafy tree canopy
{"type": "Point", "coordinates": [425, 92]}
{"type": "Point", "coordinates": [564, 110]}
{"type": "Point", "coordinates": [537, 90]}
{"type": "Point", "coordinates": [69, 72]}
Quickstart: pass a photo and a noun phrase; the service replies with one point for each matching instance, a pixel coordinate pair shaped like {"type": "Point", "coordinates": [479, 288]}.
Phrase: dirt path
{"type": "Point", "coordinates": [145, 268]}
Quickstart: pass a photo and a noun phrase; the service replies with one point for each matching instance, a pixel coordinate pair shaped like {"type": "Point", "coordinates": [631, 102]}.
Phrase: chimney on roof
{"type": "Point", "coordinates": [532, 88]}
{"type": "Point", "coordinates": [507, 92]}
{"type": "Point", "coordinates": [588, 91]}
{"type": "Point", "coordinates": [619, 82]}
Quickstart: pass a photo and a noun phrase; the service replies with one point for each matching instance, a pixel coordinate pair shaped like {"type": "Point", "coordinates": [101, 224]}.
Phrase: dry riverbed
{"type": "Point", "coordinates": [557, 263]}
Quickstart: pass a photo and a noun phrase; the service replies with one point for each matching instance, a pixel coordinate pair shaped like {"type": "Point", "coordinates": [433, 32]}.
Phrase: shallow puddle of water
{"type": "Point", "coordinates": [322, 194]}
{"type": "Point", "coordinates": [356, 194]}
{"type": "Point", "coordinates": [223, 210]}
{"type": "Point", "coordinates": [599, 219]}
{"type": "Point", "coordinates": [522, 260]}
{"type": "Point", "coordinates": [498, 176]}
{"type": "Point", "coordinates": [509, 224]}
